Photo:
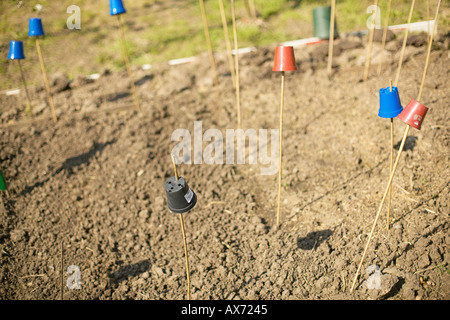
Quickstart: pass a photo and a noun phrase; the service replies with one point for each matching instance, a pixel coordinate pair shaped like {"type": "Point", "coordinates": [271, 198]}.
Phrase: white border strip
{"type": "Point", "coordinates": [93, 76]}
{"type": "Point", "coordinates": [180, 61]}
{"type": "Point", "coordinates": [302, 42]}
{"type": "Point", "coordinates": [12, 92]}
{"type": "Point", "coordinates": [244, 50]}
{"type": "Point", "coordinates": [425, 26]}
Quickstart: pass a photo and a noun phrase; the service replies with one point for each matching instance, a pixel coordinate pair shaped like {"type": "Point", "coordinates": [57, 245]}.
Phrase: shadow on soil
{"type": "Point", "coordinates": [313, 239]}
{"type": "Point", "coordinates": [410, 143]}
{"type": "Point", "coordinates": [70, 164]}
{"type": "Point", "coordinates": [128, 271]}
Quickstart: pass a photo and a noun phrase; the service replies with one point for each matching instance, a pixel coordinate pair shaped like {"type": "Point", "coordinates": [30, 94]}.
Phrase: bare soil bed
{"type": "Point", "coordinates": [93, 183]}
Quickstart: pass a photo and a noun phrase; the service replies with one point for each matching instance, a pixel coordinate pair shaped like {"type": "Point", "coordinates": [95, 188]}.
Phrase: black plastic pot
{"type": "Point", "coordinates": [180, 198]}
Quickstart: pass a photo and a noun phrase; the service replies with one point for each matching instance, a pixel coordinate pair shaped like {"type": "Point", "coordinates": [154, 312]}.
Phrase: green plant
{"type": "Point", "coordinates": [442, 268]}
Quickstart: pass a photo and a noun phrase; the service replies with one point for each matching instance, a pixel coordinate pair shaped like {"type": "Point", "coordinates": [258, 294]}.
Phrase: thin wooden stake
{"type": "Point", "coordinates": [280, 148]}
{"type": "Point", "coordinates": [184, 239]}
{"type": "Point", "coordinates": [428, 21]}
{"type": "Point", "coordinates": [47, 86]}
{"type": "Point", "coordinates": [390, 172]}
{"type": "Point", "coordinates": [26, 88]}
{"type": "Point", "coordinates": [252, 9]}
{"type": "Point", "coordinates": [175, 168]}
{"type": "Point", "coordinates": [383, 40]}
{"type": "Point", "coordinates": [186, 257]}
{"type": "Point", "coordinates": [369, 49]}
{"type": "Point", "coordinates": [247, 8]}
{"type": "Point", "coordinates": [402, 53]}
{"type": "Point", "coordinates": [429, 51]}
{"type": "Point", "coordinates": [391, 163]}
{"type": "Point", "coordinates": [227, 42]}
{"type": "Point", "coordinates": [62, 270]}
{"type": "Point", "coordinates": [236, 63]}
{"type": "Point", "coordinates": [405, 135]}
{"type": "Point", "coordinates": [127, 62]}
{"type": "Point", "coordinates": [208, 41]}
{"type": "Point", "coordinates": [331, 38]}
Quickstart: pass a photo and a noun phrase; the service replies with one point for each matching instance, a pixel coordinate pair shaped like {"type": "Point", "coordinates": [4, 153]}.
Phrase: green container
{"type": "Point", "coordinates": [321, 18]}
{"type": "Point", "coordinates": [2, 182]}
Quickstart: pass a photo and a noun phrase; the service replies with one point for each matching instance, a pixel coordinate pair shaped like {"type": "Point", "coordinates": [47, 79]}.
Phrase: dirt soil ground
{"type": "Point", "coordinates": [92, 184]}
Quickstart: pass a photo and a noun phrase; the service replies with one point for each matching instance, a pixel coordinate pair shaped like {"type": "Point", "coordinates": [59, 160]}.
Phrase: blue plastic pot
{"type": "Point", "coordinates": [16, 50]}
{"type": "Point", "coordinates": [35, 27]}
{"type": "Point", "coordinates": [116, 7]}
{"type": "Point", "coordinates": [390, 106]}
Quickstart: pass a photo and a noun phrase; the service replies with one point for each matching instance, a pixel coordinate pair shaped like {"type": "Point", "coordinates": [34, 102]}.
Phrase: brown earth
{"type": "Point", "coordinates": [93, 184]}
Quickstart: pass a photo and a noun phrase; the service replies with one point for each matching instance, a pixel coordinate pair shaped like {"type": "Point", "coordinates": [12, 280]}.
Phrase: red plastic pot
{"type": "Point", "coordinates": [284, 59]}
{"type": "Point", "coordinates": [413, 114]}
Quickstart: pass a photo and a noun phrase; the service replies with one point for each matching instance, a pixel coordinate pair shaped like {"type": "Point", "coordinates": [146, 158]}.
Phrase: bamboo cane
{"type": "Point", "coordinates": [402, 53]}
{"type": "Point", "coordinates": [383, 40]}
{"type": "Point", "coordinates": [331, 38]}
{"type": "Point", "coordinates": [62, 270]}
{"type": "Point", "coordinates": [208, 41]}
{"type": "Point", "coordinates": [428, 22]}
{"type": "Point", "coordinates": [390, 171]}
{"type": "Point", "coordinates": [280, 148]}
{"type": "Point", "coordinates": [247, 8]}
{"type": "Point", "coordinates": [26, 88]}
{"type": "Point", "coordinates": [186, 257]}
{"type": "Point", "coordinates": [236, 63]}
{"type": "Point", "coordinates": [47, 86]}
{"type": "Point", "coordinates": [227, 42]}
{"type": "Point", "coordinates": [391, 163]}
{"type": "Point", "coordinates": [175, 168]}
{"type": "Point", "coordinates": [427, 61]}
{"type": "Point", "coordinates": [252, 8]}
{"type": "Point", "coordinates": [184, 239]}
{"type": "Point", "coordinates": [369, 49]}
